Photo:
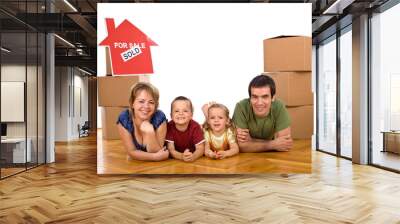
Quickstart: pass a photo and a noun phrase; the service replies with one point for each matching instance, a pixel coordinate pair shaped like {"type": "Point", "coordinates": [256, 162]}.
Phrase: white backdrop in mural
{"type": "Point", "coordinates": [205, 51]}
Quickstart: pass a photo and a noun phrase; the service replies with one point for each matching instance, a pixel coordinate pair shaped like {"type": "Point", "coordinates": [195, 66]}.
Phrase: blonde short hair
{"type": "Point", "coordinates": [152, 90]}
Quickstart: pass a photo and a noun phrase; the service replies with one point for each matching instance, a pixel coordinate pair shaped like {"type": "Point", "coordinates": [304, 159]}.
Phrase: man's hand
{"type": "Point", "coordinates": [146, 127]}
{"type": "Point", "coordinates": [283, 143]}
{"type": "Point", "coordinates": [187, 156]}
{"type": "Point", "coordinates": [243, 135]}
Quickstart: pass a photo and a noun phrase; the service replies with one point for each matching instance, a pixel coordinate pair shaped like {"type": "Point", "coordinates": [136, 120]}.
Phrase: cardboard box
{"type": "Point", "coordinates": [114, 91]}
{"type": "Point", "coordinates": [392, 142]}
{"type": "Point", "coordinates": [293, 88]}
{"type": "Point", "coordinates": [109, 117]}
{"type": "Point", "coordinates": [302, 121]}
{"type": "Point", "coordinates": [287, 53]}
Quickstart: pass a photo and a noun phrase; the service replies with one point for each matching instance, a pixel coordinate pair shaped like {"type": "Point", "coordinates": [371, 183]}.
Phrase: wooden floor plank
{"type": "Point", "coordinates": [70, 191]}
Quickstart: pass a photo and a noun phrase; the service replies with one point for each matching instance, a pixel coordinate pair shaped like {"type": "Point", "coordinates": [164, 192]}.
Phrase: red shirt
{"type": "Point", "coordinates": [185, 139]}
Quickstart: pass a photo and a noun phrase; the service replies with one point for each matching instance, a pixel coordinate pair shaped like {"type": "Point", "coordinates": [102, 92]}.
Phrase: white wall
{"type": "Point", "coordinates": [33, 126]}
{"type": "Point", "coordinates": [12, 73]}
{"type": "Point", "coordinates": [61, 103]}
{"type": "Point", "coordinates": [68, 81]}
{"type": "Point", "coordinates": [80, 82]}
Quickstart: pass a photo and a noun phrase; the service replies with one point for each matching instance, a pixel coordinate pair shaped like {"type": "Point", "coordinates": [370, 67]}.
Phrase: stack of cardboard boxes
{"type": "Point", "coordinates": [114, 93]}
{"type": "Point", "coordinates": [287, 59]}
{"type": "Point", "coordinates": [113, 97]}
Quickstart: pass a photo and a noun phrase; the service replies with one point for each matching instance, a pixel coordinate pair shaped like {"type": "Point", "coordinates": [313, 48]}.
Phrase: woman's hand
{"type": "Point", "coordinates": [162, 154]}
{"type": "Point", "coordinates": [146, 127]}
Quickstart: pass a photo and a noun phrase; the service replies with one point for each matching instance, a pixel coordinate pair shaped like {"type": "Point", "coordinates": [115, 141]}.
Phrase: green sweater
{"type": "Point", "coordinates": [261, 127]}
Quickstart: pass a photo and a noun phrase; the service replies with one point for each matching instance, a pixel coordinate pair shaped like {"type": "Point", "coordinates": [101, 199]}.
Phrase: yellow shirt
{"type": "Point", "coordinates": [220, 143]}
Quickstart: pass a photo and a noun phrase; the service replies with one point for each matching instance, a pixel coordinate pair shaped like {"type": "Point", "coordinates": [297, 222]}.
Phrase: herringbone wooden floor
{"type": "Point", "coordinates": [70, 191]}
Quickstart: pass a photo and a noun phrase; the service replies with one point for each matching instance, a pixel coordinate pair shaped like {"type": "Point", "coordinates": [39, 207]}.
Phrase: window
{"type": "Point", "coordinates": [385, 85]}
{"type": "Point", "coordinates": [346, 75]}
{"type": "Point", "coordinates": [327, 95]}
{"type": "Point", "coordinates": [22, 64]}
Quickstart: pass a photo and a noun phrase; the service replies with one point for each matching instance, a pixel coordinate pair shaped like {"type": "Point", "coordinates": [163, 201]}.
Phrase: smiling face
{"type": "Point", "coordinates": [217, 119]}
{"type": "Point", "coordinates": [144, 105]}
{"type": "Point", "coordinates": [181, 112]}
{"type": "Point", "coordinates": [261, 100]}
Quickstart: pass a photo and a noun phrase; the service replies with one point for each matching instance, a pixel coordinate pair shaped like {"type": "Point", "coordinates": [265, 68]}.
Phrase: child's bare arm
{"type": "Point", "coordinates": [199, 152]}
{"type": "Point", "coordinates": [205, 107]}
{"type": "Point", "coordinates": [233, 149]}
{"type": "Point", "coordinates": [174, 153]}
{"type": "Point", "coordinates": [207, 151]}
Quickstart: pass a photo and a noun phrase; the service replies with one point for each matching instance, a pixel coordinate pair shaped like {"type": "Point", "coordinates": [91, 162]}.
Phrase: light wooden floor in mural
{"type": "Point", "coordinates": [112, 159]}
{"type": "Point", "coordinates": [70, 191]}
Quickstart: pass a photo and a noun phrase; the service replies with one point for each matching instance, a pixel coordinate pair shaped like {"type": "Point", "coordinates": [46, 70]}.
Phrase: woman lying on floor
{"type": "Point", "coordinates": [143, 127]}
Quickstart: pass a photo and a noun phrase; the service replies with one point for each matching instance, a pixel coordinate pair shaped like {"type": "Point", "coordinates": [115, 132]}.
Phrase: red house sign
{"type": "Point", "coordinates": [129, 48]}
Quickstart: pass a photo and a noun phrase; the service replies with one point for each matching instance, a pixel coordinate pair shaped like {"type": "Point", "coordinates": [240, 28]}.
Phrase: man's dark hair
{"type": "Point", "coordinates": [184, 98]}
{"type": "Point", "coordinates": [262, 81]}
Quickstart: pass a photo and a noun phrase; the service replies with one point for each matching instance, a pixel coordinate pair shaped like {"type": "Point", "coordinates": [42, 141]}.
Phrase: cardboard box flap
{"type": "Point", "coordinates": [285, 36]}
